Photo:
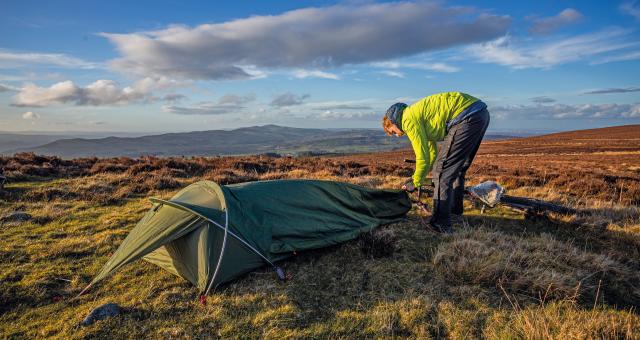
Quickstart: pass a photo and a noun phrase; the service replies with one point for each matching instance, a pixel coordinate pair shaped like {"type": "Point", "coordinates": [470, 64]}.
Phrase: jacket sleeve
{"type": "Point", "coordinates": [425, 151]}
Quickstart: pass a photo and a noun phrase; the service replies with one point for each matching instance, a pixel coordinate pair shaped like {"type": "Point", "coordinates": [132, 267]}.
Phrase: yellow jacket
{"type": "Point", "coordinates": [425, 123]}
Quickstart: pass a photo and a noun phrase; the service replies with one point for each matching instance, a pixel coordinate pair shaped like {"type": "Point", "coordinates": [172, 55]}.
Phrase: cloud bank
{"type": "Point", "coordinates": [305, 38]}
{"type": "Point", "coordinates": [563, 111]}
{"type": "Point", "coordinates": [99, 93]}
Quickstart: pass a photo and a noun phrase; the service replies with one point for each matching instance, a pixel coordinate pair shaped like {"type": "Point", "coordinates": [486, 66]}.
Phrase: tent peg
{"type": "Point", "coordinates": [281, 274]}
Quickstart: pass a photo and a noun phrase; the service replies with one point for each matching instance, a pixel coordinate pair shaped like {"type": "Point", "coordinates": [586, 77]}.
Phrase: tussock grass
{"type": "Point", "coordinates": [539, 268]}
{"type": "Point", "coordinates": [562, 320]}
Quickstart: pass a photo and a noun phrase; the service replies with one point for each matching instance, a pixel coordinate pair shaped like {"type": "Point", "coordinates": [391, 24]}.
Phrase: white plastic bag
{"type": "Point", "coordinates": [488, 192]}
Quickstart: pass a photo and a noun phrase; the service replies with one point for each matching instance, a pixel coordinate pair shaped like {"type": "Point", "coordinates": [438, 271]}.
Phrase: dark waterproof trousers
{"type": "Point", "coordinates": [454, 158]}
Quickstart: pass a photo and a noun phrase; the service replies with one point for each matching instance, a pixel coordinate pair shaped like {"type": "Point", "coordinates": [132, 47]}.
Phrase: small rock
{"type": "Point", "coordinates": [16, 216]}
{"type": "Point", "coordinates": [102, 312]}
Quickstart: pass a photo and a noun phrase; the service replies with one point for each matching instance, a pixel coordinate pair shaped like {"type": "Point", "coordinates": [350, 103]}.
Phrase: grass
{"type": "Point", "coordinates": [498, 276]}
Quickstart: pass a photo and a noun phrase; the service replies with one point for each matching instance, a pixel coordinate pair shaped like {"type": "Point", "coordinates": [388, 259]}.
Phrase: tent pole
{"type": "Point", "coordinates": [83, 291]}
{"type": "Point", "coordinates": [224, 245]}
{"type": "Point", "coordinates": [178, 206]}
{"type": "Point", "coordinates": [246, 244]}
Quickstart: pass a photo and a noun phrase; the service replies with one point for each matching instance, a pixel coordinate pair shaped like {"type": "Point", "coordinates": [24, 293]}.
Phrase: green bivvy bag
{"type": "Point", "coordinates": [210, 234]}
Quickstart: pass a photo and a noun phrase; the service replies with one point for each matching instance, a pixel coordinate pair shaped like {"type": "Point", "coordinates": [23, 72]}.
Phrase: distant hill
{"type": "Point", "coordinates": [612, 132]}
{"type": "Point", "coordinates": [14, 141]}
{"type": "Point", "coordinates": [249, 140]}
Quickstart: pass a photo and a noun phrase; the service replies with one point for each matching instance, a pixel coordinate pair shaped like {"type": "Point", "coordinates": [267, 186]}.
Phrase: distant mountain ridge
{"type": "Point", "coordinates": [12, 141]}
{"type": "Point", "coordinates": [249, 140]}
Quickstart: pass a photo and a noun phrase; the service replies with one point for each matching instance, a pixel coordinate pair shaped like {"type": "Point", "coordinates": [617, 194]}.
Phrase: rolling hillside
{"type": "Point", "coordinates": [250, 140]}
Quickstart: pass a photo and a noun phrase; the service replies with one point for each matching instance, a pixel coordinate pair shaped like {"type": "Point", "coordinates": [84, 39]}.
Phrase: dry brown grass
{"type": "Point", "coordinates": [538, 268]}
{"type": "Point", "coordinates": [581, 167]}
{"type": "Point", "coordinates": [562, 321]}
{"type": "Point", "coordinates": [499, 277]}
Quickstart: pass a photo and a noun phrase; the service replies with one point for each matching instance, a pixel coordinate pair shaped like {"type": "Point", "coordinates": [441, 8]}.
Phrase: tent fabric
{"type": "Point", "coordinates": [264, 221]}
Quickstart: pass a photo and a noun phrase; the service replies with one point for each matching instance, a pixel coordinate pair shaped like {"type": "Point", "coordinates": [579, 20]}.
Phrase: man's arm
{"type": "Point", "coordinates": [425, 151]}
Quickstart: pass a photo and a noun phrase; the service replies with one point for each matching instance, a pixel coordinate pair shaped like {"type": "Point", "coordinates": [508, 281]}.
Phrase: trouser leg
{"type": "Point", "coordinates": [457, 206]}
{"type": "Point", "coordinates": [454, 158]}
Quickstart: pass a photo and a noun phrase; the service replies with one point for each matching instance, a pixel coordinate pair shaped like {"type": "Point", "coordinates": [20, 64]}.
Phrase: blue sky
{"type": "Point", "coordinates": [152, 66]}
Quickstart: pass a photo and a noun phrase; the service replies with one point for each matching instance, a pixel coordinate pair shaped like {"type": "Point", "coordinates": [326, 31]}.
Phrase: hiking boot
{"type": "Point", "coordinates": [446, 229]}
{"type": "Point", "coordinates": [440, 228]}
{"type": "Point", "coordinates": [458, 221]}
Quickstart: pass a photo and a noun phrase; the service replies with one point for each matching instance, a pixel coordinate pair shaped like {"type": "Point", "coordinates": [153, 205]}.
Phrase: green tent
{"type": "Point", "coordinates": [209, 233]}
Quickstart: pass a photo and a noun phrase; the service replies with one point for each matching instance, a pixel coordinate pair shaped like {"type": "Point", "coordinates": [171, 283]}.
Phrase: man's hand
{"type": "Point", "coordinates": [409, 187]}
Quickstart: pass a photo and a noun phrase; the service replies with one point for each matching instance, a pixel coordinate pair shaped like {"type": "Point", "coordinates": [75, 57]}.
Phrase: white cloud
{"type": "Point", "coordinates": [6, 77]}
{"type": "Point", "coordinates": [542, 100]}
{"type": "Point", "coordinates": [563, 111]}
{"type": "Point", "coordinates": [58, 93]}
{"type": "Point", "coordinates": [342, 115]}
{"type": "Point", "coordinates": [306, 38]}
{"type": "Point", "coordinates": [7, 88]}
{"type": "Point", "coordinates": [30, 116]}
{"type": "Point", "coordinates": [12, 59]}
{"type": "Point", "coordinates": [234, 99]}
{"type": "Point", "coordinates": [253, 72]}
{"type": "Point", "coordinates": [634, 55]}
{"type": "Point", "coordinates": [173, 98]}
{"type": "Point", "coordinates": [229, 103]}
{"type": "Point", "coordinates": [632, 8]}
{"type": "Point", "coordinates": [288, 99]}
{"type": "Point", "coordinates": [99, 93]}
{"type": "Point", "coordinates": [332, 107]}
{"type": "Point", "coordinates": [548, 53]}
{"type": "Point", "coordinates": [613, 90]}
{"type": "Point", "coordinates": [437, 67]}
{"type": "Point", "coordinates": [204, 108]}
{"type": "Point", "coordinates": [390, 73]}
{"type": "Point", "coordinates": [551, 24]}
{"type": "Point", "coordinates": [301, 73]}
{"type": "Point", "coordinates": [32, 76]}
